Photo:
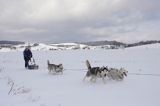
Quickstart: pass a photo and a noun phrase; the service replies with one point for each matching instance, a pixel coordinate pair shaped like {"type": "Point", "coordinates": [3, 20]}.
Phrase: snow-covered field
{"type": "Point", "coordinates": [21, 87]}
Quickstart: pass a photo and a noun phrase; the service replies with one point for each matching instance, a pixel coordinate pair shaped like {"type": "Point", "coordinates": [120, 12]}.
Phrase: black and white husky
{"type": "Point", "coordinates": [95, 72]}
{"type": "Point", "coordinates": [53, 68]}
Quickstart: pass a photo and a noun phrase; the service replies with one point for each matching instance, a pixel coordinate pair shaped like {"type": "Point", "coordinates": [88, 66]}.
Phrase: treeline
{"type": "Point", "coordinates": [101, 43]}
{"type": "Point", "coordinates": [3, 42]}
{"type": "Point", "coordinates": [142, 43]}
{"type": "Point", "coordinates": [120, 44]}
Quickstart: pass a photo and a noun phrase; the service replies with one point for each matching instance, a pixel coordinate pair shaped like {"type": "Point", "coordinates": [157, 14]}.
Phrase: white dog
{"type": "Point", "coordinates": [116, 74]}
{"type": "Point", "coordinates": [54, 68]}
{"type": "Point", "coordinates": [95, 72]}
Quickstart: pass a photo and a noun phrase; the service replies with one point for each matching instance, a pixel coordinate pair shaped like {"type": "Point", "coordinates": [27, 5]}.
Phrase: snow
{"type": "Point", "coordinates": [39, 88]}
{"type": "Point", "coordinates": [5, 50]}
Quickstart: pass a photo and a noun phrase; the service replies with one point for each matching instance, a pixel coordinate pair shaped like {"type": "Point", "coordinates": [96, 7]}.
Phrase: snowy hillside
{"type": "Point", "coordinates": [21, 87]}
{"type": "Point", "coordinates": [75, 46]}
{"type": "Point", "coordinates": [153, 46]}
{"type": "Point", "coordinates": [45, 47]}
{"type": "Point", "coordinates": [59, 46]}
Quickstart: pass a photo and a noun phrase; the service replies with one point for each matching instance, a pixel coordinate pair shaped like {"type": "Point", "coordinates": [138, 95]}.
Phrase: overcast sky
{"type": "Point", "coordinates": [79, 20]}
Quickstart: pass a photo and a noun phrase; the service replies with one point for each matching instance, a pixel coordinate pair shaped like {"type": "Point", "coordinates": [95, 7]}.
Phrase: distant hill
{"type": "Point", "coordinates": [18, 45]}
{"type": "Point", "coordinates": [100, 43]}
{"type": "Point", "coordinates": [142, 43]}
{"type": "Point", "coordinates": [4, 42]}
{"type": "Point", "coordinates": [116, 43]}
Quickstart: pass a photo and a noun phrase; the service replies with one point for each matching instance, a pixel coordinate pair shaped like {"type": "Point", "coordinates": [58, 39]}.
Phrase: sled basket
{"type": "Point", "coordinates": [33, 65]}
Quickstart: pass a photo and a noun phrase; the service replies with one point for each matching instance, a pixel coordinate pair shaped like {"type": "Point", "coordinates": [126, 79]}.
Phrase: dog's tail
{"type": "Point", "coordinates": [48, 62]}
{"type": "Point", "coordinates": [88, 65]}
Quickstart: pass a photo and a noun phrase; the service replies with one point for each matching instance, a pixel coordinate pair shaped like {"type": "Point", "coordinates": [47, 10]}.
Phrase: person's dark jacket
{"type": "Point", "coordinates": [27, 54]}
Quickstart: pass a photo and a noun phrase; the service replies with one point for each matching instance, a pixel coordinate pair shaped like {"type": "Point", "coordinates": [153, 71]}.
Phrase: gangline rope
{"type": "Point", "coordinates": [143, 74]}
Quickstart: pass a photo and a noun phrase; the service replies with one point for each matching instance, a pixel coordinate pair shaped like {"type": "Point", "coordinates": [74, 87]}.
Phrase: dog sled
{"type": "Point", "coordinates": [32, 65]}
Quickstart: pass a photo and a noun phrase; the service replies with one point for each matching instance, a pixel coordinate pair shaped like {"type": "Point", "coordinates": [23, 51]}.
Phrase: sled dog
{"type": "Point", "coordinates": [116, 74]}
{"type": "Point", "coordinates": [95, 72]}
{"type": "Point", "coordinates": [53, 68]}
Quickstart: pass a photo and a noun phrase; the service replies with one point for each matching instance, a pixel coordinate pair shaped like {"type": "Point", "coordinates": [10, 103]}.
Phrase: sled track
{"type": "Point", "coordinates": [145, 74]}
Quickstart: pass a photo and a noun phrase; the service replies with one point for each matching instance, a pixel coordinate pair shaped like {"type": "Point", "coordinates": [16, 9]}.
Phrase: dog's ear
{"type": "Point", "coordinates": [125, 74]}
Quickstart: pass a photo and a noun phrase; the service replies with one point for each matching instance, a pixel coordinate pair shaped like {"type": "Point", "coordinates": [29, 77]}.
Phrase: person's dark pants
{"type": "Point", "coordinates": [26, 63]}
